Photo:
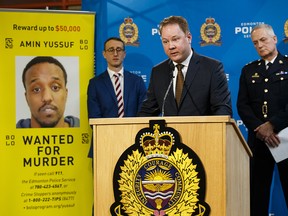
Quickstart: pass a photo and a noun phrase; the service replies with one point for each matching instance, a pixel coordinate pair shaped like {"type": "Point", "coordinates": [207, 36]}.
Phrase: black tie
{"type": "Point", "coordinates": [179, 83]}
{"type": "Point", "coordinates": [268, 65]}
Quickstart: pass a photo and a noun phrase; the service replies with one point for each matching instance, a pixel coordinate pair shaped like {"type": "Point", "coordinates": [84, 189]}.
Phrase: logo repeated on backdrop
{"type": "Point", "coordinates": [286, 31]}
{"type": "Point", "coordinates": [210, 33]}
{"type": "Point", "coordinates": [128, 32]}
{"type": "Point", "coordinates": [158, 175]}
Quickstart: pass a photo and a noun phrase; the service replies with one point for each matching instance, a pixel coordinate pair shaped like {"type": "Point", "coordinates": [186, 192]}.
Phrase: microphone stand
{"type": "Point", "coordinates": [165, 96]}
{"type": "Point", "coordinates": [172, 68]}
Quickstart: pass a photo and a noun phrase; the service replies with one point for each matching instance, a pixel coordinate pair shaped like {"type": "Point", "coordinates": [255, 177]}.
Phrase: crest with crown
{"type": "Point", "coordinates": [157, 144]}
{"type": "Point", "coordinates": [128, 32]}
{"type": "Point", "coordinates": [128, 20]}
{"type": "Point", "coordinates": [210, 20]}
{"type": "Point", "coordinates": [210, 33]}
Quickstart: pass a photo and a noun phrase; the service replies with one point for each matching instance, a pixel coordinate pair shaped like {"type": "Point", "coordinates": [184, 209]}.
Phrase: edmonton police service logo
{"type": "Point", "coordinates": [159, 176]}
{"type": "Point", "coordinates": [286, 31]}
{"type": "Point", "coordinates": [129, 33]}
{"type": "Point", "coordinates": [210, 33]}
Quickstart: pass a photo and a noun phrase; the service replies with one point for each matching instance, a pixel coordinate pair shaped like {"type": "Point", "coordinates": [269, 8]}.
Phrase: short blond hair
{"type": "Point", "coordinates": [181, 21]}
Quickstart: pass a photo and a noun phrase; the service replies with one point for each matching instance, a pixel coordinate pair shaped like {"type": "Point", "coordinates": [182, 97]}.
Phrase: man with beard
{"type": "Point", "coordinates": [44, 79]}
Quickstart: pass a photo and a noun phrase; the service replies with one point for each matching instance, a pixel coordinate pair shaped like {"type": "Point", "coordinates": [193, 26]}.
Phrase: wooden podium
{"type": "Point", "coordinates": [215, 139]}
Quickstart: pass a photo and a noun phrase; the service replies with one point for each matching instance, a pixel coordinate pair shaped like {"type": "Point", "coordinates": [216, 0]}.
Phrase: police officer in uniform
{"type": "Point", "coordinates": [263, 106]}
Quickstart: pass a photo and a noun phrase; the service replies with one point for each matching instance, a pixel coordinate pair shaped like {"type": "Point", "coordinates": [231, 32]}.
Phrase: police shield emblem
{"type": "Point", "coordinates": [159, 175]}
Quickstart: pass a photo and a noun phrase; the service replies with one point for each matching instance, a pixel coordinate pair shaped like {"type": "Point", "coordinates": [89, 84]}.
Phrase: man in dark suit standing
{"type": "Point", "coordinates": [204, 89]}
{"type": "Point", "coordinates": [116, 92]}
{"type": "Point", "coordinates": [263, 106]}
{"type": "Point", "coordinates": [102, 99]}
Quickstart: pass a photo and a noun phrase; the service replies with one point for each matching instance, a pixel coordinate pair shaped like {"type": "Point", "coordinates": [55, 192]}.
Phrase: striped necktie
{"type": "Point", "coordinates": [119, 95]}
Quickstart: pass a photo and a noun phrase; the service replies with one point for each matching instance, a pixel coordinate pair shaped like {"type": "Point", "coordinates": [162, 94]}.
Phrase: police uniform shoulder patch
{"type": "Point", "coordinates": [151, 178]}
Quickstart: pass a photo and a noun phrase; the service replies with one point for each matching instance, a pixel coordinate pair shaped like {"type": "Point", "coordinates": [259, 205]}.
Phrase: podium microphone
{"type": "Point", "coordinates": [172, 67]}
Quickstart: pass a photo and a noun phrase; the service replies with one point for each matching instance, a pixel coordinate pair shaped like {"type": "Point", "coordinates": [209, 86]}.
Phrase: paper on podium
{"type": "Point", "coordinates": [281, 152]}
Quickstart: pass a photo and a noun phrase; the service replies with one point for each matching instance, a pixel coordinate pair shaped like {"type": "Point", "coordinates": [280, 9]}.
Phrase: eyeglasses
{"type": "Point", "coordinates": [112, 50]}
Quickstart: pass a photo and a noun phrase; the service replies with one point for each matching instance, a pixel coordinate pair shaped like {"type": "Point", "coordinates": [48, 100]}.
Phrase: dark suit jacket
{"type": "Point", "coordinates": [205, 90]}
{"type": "Point", "coordinates": [102, 102]}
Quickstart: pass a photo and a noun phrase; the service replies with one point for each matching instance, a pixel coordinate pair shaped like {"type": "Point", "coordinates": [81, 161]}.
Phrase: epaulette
{"type": "Point", "coordinates": [254, 62]}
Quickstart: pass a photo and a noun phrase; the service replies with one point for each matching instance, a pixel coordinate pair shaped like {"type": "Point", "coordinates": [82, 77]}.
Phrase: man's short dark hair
{"type": "Point", "coordinates": [43, 59]}
{"type": "Point", "coordinates": [114, 38]}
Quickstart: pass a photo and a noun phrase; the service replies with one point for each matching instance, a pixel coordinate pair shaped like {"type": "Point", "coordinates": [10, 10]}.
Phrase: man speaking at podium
{"type": "Point", "coordinates": [186, 84]}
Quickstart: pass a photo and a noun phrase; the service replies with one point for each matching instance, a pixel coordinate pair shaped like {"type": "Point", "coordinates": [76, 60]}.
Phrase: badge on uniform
{"type": "Point", "coordinates": [281, 73]}
{"type": "Point", "coordinates": [256, 75]}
